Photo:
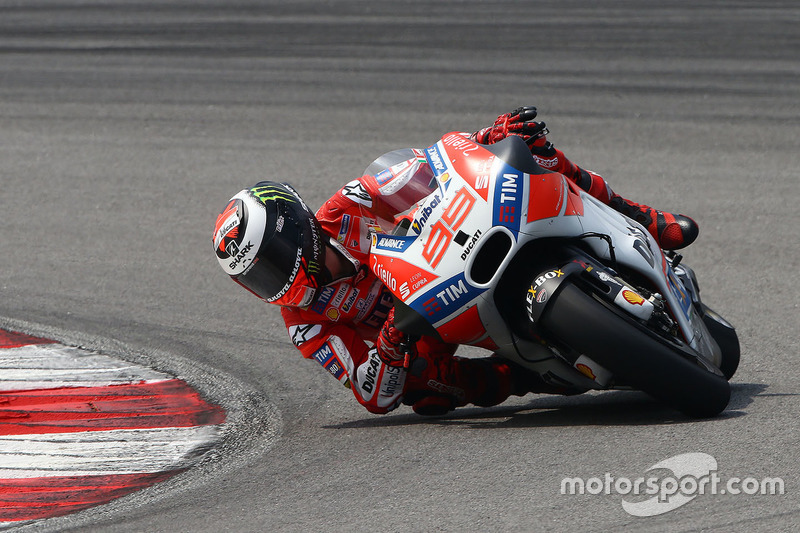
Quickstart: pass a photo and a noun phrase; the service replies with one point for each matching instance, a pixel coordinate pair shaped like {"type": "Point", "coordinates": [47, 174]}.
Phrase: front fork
{"type": "Point", "coordinates": [603, 281]}
{"type": "Point", "coordinates": [650, 309]}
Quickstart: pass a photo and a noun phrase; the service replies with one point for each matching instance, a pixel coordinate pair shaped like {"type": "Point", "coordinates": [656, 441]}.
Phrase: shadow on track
{"type": "Point", "coordinates": [613, 408]}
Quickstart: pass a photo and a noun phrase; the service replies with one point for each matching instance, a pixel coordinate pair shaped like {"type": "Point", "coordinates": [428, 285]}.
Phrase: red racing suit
{"type": "Point", "coordinates": [340, 328]}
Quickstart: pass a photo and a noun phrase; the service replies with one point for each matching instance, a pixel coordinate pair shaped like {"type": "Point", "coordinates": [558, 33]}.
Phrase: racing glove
{"type": "Point", "coordinates": [393, 345]}
{"type": "Point", "coordinates": [518, 122]}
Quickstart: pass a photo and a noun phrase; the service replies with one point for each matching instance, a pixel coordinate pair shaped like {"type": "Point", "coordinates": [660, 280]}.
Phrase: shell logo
{"type": "Point", "coordinates": [585, 370]}
{"type": "Point", "coordinates": [632, 298]}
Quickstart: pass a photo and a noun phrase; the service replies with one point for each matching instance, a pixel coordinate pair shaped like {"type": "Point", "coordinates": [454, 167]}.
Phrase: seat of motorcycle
{"type": "Point", "coordinates": [514, 151]}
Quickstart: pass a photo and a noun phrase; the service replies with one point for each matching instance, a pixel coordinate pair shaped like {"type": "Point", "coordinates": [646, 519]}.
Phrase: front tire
{"type": "Point", "coordinates": [632, 353]}
{"type": "Point", "coordinates": [726, 338]}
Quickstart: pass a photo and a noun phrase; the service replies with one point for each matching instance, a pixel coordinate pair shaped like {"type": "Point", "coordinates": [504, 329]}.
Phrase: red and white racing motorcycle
{"type": "Point", "coordinates": [515, 259]}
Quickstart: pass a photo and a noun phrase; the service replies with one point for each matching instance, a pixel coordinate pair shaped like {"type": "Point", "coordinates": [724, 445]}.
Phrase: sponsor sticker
{"type": "Point", "coordinates": [302, 333]}
{"type": "Point", "coordinates": [508, 198]}
{"type": "Point", "coordinates": [326, 357]}
{"type": "Point", "coordinates": [356, 192]}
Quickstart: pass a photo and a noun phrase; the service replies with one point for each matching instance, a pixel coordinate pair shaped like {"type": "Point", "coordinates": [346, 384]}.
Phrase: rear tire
{"type": "Point", "coordinates": [632, 353]}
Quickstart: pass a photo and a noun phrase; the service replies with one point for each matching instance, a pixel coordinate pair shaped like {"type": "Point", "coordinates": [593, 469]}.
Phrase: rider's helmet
{"type": "Point", "coordinates": [268, 240]}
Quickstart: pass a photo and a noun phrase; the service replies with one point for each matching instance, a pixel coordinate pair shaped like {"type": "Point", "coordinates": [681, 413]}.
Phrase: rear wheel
{"type": "Point", "coordinates": [635, 355]}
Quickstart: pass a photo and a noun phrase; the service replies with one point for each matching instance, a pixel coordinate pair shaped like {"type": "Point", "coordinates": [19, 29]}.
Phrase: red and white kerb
{"type": "Point", "coordinates": [78, 428]}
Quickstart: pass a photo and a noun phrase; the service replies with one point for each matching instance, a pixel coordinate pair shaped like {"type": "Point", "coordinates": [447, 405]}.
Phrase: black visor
{"type": "Point", "coordinates": [289, 258]}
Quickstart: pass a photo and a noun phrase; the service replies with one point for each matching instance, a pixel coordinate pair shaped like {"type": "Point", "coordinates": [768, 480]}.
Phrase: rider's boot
{"type": "Point", "coordinates": [671, 231]}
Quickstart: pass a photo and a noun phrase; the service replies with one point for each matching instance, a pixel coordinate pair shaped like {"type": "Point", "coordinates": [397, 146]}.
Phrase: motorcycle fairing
{"type": "Point", "coordinates": [480, 197]}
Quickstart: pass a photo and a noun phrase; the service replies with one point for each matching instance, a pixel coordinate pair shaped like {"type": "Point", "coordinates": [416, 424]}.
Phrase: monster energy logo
{"type": "Point", "coordinates": [270, 192]}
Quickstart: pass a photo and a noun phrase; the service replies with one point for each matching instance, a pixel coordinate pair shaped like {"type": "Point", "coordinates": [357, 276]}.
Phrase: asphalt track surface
{"type": "Point", "coordinates": [125, 126]}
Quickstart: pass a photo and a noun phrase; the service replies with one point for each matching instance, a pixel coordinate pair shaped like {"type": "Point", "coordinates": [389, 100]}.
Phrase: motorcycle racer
{"type": "Point", "coordinates": [338, 312]}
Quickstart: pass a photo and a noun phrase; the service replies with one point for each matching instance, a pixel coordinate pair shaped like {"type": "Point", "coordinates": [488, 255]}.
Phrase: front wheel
{"type": "Point", "coordinates": [633, 354]}
{"type": "Point", "coordinates": [726, 338]}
